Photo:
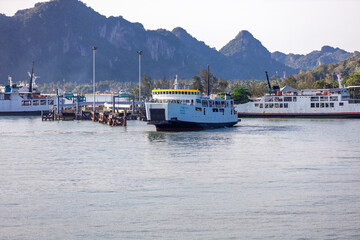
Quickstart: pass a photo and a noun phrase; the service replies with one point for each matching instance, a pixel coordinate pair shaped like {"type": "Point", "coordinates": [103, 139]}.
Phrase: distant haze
{"type": "Point", "coordinates": [289, 26]}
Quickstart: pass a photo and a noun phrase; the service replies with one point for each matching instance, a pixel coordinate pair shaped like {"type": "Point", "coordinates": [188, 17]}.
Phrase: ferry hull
{"type": "Point", "coordinates": [176, 126]}
{"type": "Point", "coordinates": [25, 113]}
{"type": "Point", "coordinates": [300, 115]}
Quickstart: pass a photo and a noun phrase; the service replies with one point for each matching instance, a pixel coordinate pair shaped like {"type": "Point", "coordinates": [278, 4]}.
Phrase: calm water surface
{"type": "Point", "coordinates": [264, 179]}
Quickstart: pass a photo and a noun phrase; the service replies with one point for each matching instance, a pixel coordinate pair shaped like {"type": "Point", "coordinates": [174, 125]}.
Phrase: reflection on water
{"type": "Point", "coordinates": [264, 179]}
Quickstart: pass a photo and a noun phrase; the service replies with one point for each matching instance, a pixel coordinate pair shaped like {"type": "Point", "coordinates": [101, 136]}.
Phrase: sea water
{"type": "Point", "coordinates": [262, 179]}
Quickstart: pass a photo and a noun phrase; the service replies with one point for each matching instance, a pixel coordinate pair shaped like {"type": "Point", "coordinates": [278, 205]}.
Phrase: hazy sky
{"type": "Point", "coordinates": [290, 26]}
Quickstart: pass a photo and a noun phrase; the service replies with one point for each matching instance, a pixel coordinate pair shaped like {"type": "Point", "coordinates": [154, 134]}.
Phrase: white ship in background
{"type": "Point", "coordinates": [290, 102]}
{"type": "Point", "coordinates": [185, 110]}
{"type": "Point", "coordinates": [24, 99]}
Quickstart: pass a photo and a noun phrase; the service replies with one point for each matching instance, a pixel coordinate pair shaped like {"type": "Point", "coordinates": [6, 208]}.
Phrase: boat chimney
{"type": "Point", "coordinates": [176, 84]}
{"type": "Point", "coordinates": [340, 80]}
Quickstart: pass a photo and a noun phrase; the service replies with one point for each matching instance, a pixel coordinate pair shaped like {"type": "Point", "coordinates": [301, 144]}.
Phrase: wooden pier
{"type": "Point", "coordinates": [111, 118]}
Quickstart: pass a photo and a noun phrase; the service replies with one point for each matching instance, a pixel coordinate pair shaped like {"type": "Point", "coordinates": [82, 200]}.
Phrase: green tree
{"type": "Point", "coordinates": [223, 84]}
{"type": "Point", "coordinates": [240, 95]}
{"type": "Point", "coordinates": [196, 84]}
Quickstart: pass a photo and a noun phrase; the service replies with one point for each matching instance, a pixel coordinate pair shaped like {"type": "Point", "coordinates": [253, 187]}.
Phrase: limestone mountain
{"type": "Point", "coordinates": [250, 56]}
{"type": "Point", "coordinates": [58, 35]}
{"type": "Point", "coordinates": [326, 55]}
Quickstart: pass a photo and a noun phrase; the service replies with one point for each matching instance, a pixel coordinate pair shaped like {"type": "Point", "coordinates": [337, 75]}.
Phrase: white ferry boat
{"type": "Point", "coordinates": [23, 100]}
{"type": "Point", "coordinates": [186, 110]}
{"type": "Point", "coordinates": [290, 102]}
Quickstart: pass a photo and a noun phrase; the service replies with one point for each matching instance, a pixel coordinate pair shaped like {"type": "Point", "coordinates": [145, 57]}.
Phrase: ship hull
{"type": "Point", "coordinates": [300, 115]}
{"type": "Point", "coordinates": [25, 113]}
{"type": "Point", "coordinates": [176, 126]}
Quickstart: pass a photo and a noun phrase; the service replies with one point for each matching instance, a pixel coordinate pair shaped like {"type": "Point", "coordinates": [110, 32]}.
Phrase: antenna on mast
{"type": "Point", "coordinates": [31, 78]}
{"type": "Point", "coordinates": [208, 81]}
{"type": "Point", "coordinates": [340, 80]}
{"type": "Point", "coordinates": [268, 81]}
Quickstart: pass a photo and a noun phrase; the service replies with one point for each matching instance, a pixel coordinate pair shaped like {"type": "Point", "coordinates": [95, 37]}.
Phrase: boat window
{"type": "Point", "coordinates": [286, 105]}
{"type": "Point", "coordinates": [317, 105]}
{"type": "Point", "coordinates": [327, 105]}
{"type": "Point", "coordinates": [313, 99]}
{"type": "Point", "coordinates": [281, 105]}
{"type": "Point", "coordinates": [332, 104]}
{"type": "Point", "coordinates": [198, 101]}
{"type": "Point", "coordinates": [35, 102]}
{"type": "Point", "coordinates": [182, 92]}
{"type": "Point", "coordinates": [256, 105]}
{"type": "Point", "coordinates": [321, 105]}
{"type": "Point", "coordinates": [215, 110]}
{"type": "Point", "coordinates": [324, 98]}
{"type": "Point", "coordinates": [341, 104]}
{"type": "Point", "coordinates": [287, 99]}
{"type": "Point", "coordinates": [268, 99]}
{"type": "Point", "coordinates": [294, 99]}
{"type": "Point", "coordinates": [266, 105]}
{"type": "Point", "coordinates": [26, 103]}
{"type": "Point", "coordinates": [277, 105]}
{"type": "Point", "coordinates": [51, 102]}
{"type": "Point", "coordinates": [198, 109]}
{"type": "Point", "coordinates": [42, 102]}
{"type": "Point", "coordinates": [261, 105]}
{"type": "Point", "coordinates": [222, 111]}
{"type": "Point", "coordinates": [211, 103]}
{"type": "Point", "coordinates": [204, 111]}
{"type": "Point", "coordinates": [312, 105]}
{"type": "Point", "coordinates": [7, 96]}
{"type": "Point", "coordinates": [204, 103]}
{"type": "Point", "coordinates": [278, 99]}
{"type": "Point", "coordinates": [333, 98]}
{"type": "Point", "coordinates": [271, 105]}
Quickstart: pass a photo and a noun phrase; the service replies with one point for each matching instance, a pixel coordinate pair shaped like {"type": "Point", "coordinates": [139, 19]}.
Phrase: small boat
{"type": "Point", "coordinates": [186, 110]}
{"type": "Point", "coordinates": [309, 103]}
{"type": "Point", "coordinates": [24, 99]}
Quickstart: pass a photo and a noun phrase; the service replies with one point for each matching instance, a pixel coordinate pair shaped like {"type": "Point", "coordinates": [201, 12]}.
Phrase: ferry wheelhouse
{"type": "Point", "coordinates": [186, 110]}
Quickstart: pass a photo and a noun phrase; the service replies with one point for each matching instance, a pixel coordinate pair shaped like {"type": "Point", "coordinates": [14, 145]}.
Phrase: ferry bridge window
{"type": "Point", "coordinates": [332, 104]}
{"type": "Point", "coordinates": [313, 99]}
{"type": "Point", "coordinates": [26, 103]}
{"type": "Point", "coordinates": [323, 98]}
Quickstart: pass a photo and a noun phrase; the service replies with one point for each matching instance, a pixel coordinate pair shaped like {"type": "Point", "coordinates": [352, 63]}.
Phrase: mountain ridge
{"type": "Point", "coordinates": [58, 36]}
